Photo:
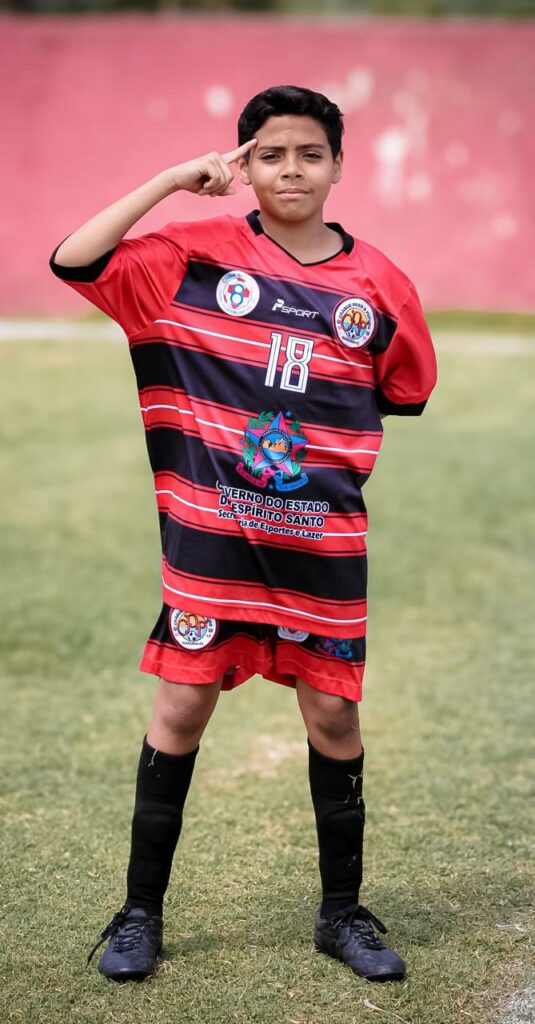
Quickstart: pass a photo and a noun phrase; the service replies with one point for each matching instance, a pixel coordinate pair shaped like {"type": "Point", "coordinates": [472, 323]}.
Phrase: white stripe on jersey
{"type": "Point", "coordinates": [262, 604]}
{"type": "Point", "coordinates": [257, 344]}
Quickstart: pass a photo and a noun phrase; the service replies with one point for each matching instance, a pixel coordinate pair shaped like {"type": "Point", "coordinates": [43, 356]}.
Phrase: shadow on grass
{"type": "Point", "coordinates": [277, 934]}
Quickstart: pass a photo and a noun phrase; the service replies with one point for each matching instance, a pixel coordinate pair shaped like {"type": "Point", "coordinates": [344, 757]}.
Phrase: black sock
{"type": "Point", "coordinates": [336, 788]}
{"type": "Point", "coordinates": [162, 787]}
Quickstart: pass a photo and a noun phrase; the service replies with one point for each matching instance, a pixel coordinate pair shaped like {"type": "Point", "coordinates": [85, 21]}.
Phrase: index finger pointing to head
{"type": "Point", "coordinates": [234, 154]}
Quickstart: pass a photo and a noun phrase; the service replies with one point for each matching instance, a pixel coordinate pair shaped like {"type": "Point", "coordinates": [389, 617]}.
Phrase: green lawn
{"type": "Point", "coordinates": [446, 720]}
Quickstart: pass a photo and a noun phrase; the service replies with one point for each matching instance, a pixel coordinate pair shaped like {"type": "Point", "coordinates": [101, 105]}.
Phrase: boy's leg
{"type": "Point", "coordinates": [344, 928]}
{"type": "Point", "coordinates": [336, 762]}
{"type": "Point", "coordinates": [179, 717]}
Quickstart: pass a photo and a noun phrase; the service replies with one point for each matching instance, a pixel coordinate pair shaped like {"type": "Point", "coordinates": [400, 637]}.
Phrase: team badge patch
{"type": "Point", "coordinates": [192, 630]}
{"type": "Point", "coordinates": [237, 293]}
{"type": "Point", "coordinates": [335, 648]}
{"type": "Point", "coordinates": [298, 635]}
{"type": "Point", "coordinates": [355, 322]}
{"type": "Point", "coordinates": [273, 450]}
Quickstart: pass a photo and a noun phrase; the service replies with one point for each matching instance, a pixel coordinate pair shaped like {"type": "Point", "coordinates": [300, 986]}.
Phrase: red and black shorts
{"type": "Point", "coordinates": [187, 647]}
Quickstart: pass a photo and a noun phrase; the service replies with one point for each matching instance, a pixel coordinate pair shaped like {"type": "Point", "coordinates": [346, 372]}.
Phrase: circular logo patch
{"type": "Point", "coordinates": [191, 629]}
{"type": "Point", "coordinates": [237, 293]}
{"type": "Point", "coordinates": [355, 322]}
{"type": "Point", "coordinates": [298, 635]}
{"type": "Point", "coordinates": [275, 445]}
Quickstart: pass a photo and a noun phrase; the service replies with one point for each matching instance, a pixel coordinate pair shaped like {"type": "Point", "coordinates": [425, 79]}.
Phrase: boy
{"type": "Point", "coordinates": [266, 350]}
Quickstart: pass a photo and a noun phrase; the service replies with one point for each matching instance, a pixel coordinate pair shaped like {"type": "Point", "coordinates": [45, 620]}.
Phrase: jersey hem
{"type": "Point", "coordinates": [320, 625]}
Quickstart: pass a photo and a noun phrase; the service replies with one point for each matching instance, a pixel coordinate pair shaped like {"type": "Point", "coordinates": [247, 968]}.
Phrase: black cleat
{"type": "Point", "coordinates": [135, 942]}
{"type": "Point", "coordinates": [349, 936]}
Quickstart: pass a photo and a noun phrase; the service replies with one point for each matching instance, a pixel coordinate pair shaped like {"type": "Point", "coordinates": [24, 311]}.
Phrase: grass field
{"type": "Point", "coordinates": [446, 720]}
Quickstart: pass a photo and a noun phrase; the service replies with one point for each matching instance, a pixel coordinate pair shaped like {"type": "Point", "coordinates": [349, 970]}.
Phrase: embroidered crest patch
{"type": "Point", "coordinates": [298, 635]}
{"type": "Point", "coordinates": [355, 322]}
{"type": "Point", "coordinates": [273, 450]}
{"type": "Point", "coordinates": [237, 293]}
{"type": "Point", "coordinates": [191, 630]}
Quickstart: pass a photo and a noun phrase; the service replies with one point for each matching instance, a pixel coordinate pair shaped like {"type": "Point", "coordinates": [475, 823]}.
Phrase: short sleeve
{"type": "Point", "coordinates": [134, 282]}
{"type": "Point", "coordinates": [406, 372]}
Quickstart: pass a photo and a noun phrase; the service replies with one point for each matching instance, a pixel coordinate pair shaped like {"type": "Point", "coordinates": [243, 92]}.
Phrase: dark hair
{"type": "Point", "coordinates": [291, 99]}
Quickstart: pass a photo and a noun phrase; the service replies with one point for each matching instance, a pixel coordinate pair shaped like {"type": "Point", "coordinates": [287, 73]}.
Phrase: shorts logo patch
{"type": "Point", "coordinates": [335, 648]}
{"type": "Point", "coordinates": [355, 322]}
{"type": "Point", "coordinates": [191, 630]}
{"type": "Point", "coordinates": [273, 450]}
{"type": "Point", "coordinates": [298, 635]}
{"type": "Point", "coordinates": [237, 293]}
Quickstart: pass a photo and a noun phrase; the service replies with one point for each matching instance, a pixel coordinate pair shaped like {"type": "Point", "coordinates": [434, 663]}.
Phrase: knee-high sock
{"type": "Point", "coordinates": [336, 788]}
{"type": "Point", "coordinates": [162, 786]}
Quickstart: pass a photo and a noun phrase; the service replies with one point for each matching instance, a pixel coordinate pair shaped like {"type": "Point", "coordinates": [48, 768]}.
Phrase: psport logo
{"type": "Point", "coordinates": [355, 322]}
{"type": "Point", "coordinates": [237, 293]}
{"type": "Point", "coordinates": [191, 630]}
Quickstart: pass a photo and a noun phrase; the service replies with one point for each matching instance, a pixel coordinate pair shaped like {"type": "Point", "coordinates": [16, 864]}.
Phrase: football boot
{"type": "Point", "coordinates": [349, 936]}
{"type": "Point", "coordinates": [135, 942]}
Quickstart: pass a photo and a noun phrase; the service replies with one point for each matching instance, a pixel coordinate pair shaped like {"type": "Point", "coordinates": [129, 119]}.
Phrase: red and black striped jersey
{"type": "Point", "coordinates": [261, 382]}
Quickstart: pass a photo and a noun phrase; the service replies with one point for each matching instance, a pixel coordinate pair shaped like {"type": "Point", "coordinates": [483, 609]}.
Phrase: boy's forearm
{"type": "Point", "coordinates": [106, 229]}
{"type": "Point", "coordinates": [208, 175]}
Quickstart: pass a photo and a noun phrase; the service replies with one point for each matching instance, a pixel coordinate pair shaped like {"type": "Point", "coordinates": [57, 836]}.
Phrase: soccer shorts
{"type": "Point", "coordinates": [187, 647]}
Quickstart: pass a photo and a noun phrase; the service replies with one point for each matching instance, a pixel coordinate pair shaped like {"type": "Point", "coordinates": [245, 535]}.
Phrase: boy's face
{"type": "Point", "coordinates": [291, 168]}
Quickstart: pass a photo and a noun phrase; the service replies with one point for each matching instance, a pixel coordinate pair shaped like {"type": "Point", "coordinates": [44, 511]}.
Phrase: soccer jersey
{"type": "Point", "coordinates": [261, 382]}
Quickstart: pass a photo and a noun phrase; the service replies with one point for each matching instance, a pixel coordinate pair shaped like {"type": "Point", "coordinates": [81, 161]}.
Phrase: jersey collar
{"type": "Point", "coordinates": [348, 241]}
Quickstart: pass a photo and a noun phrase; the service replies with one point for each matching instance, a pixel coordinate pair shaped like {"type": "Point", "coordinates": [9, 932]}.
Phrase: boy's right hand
{"type": "Point", "coordinates": [209, 175]}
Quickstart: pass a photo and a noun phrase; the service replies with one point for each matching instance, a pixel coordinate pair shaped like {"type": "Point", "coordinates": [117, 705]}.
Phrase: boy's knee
{"type": "Point", "coordinates": [335, 726]}
{"type": "Point", "coordinates": [182, 709]}
{"type": "Point", "coordinates": [332, 718]}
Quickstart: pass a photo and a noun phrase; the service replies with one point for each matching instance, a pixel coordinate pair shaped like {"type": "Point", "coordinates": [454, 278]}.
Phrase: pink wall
{"type": "Point", "coordinates": [439, 123]}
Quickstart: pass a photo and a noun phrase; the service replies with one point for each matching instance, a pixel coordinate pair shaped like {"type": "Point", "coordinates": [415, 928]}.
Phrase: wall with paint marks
{"type": "Point", "coordinates": [439, 136]}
